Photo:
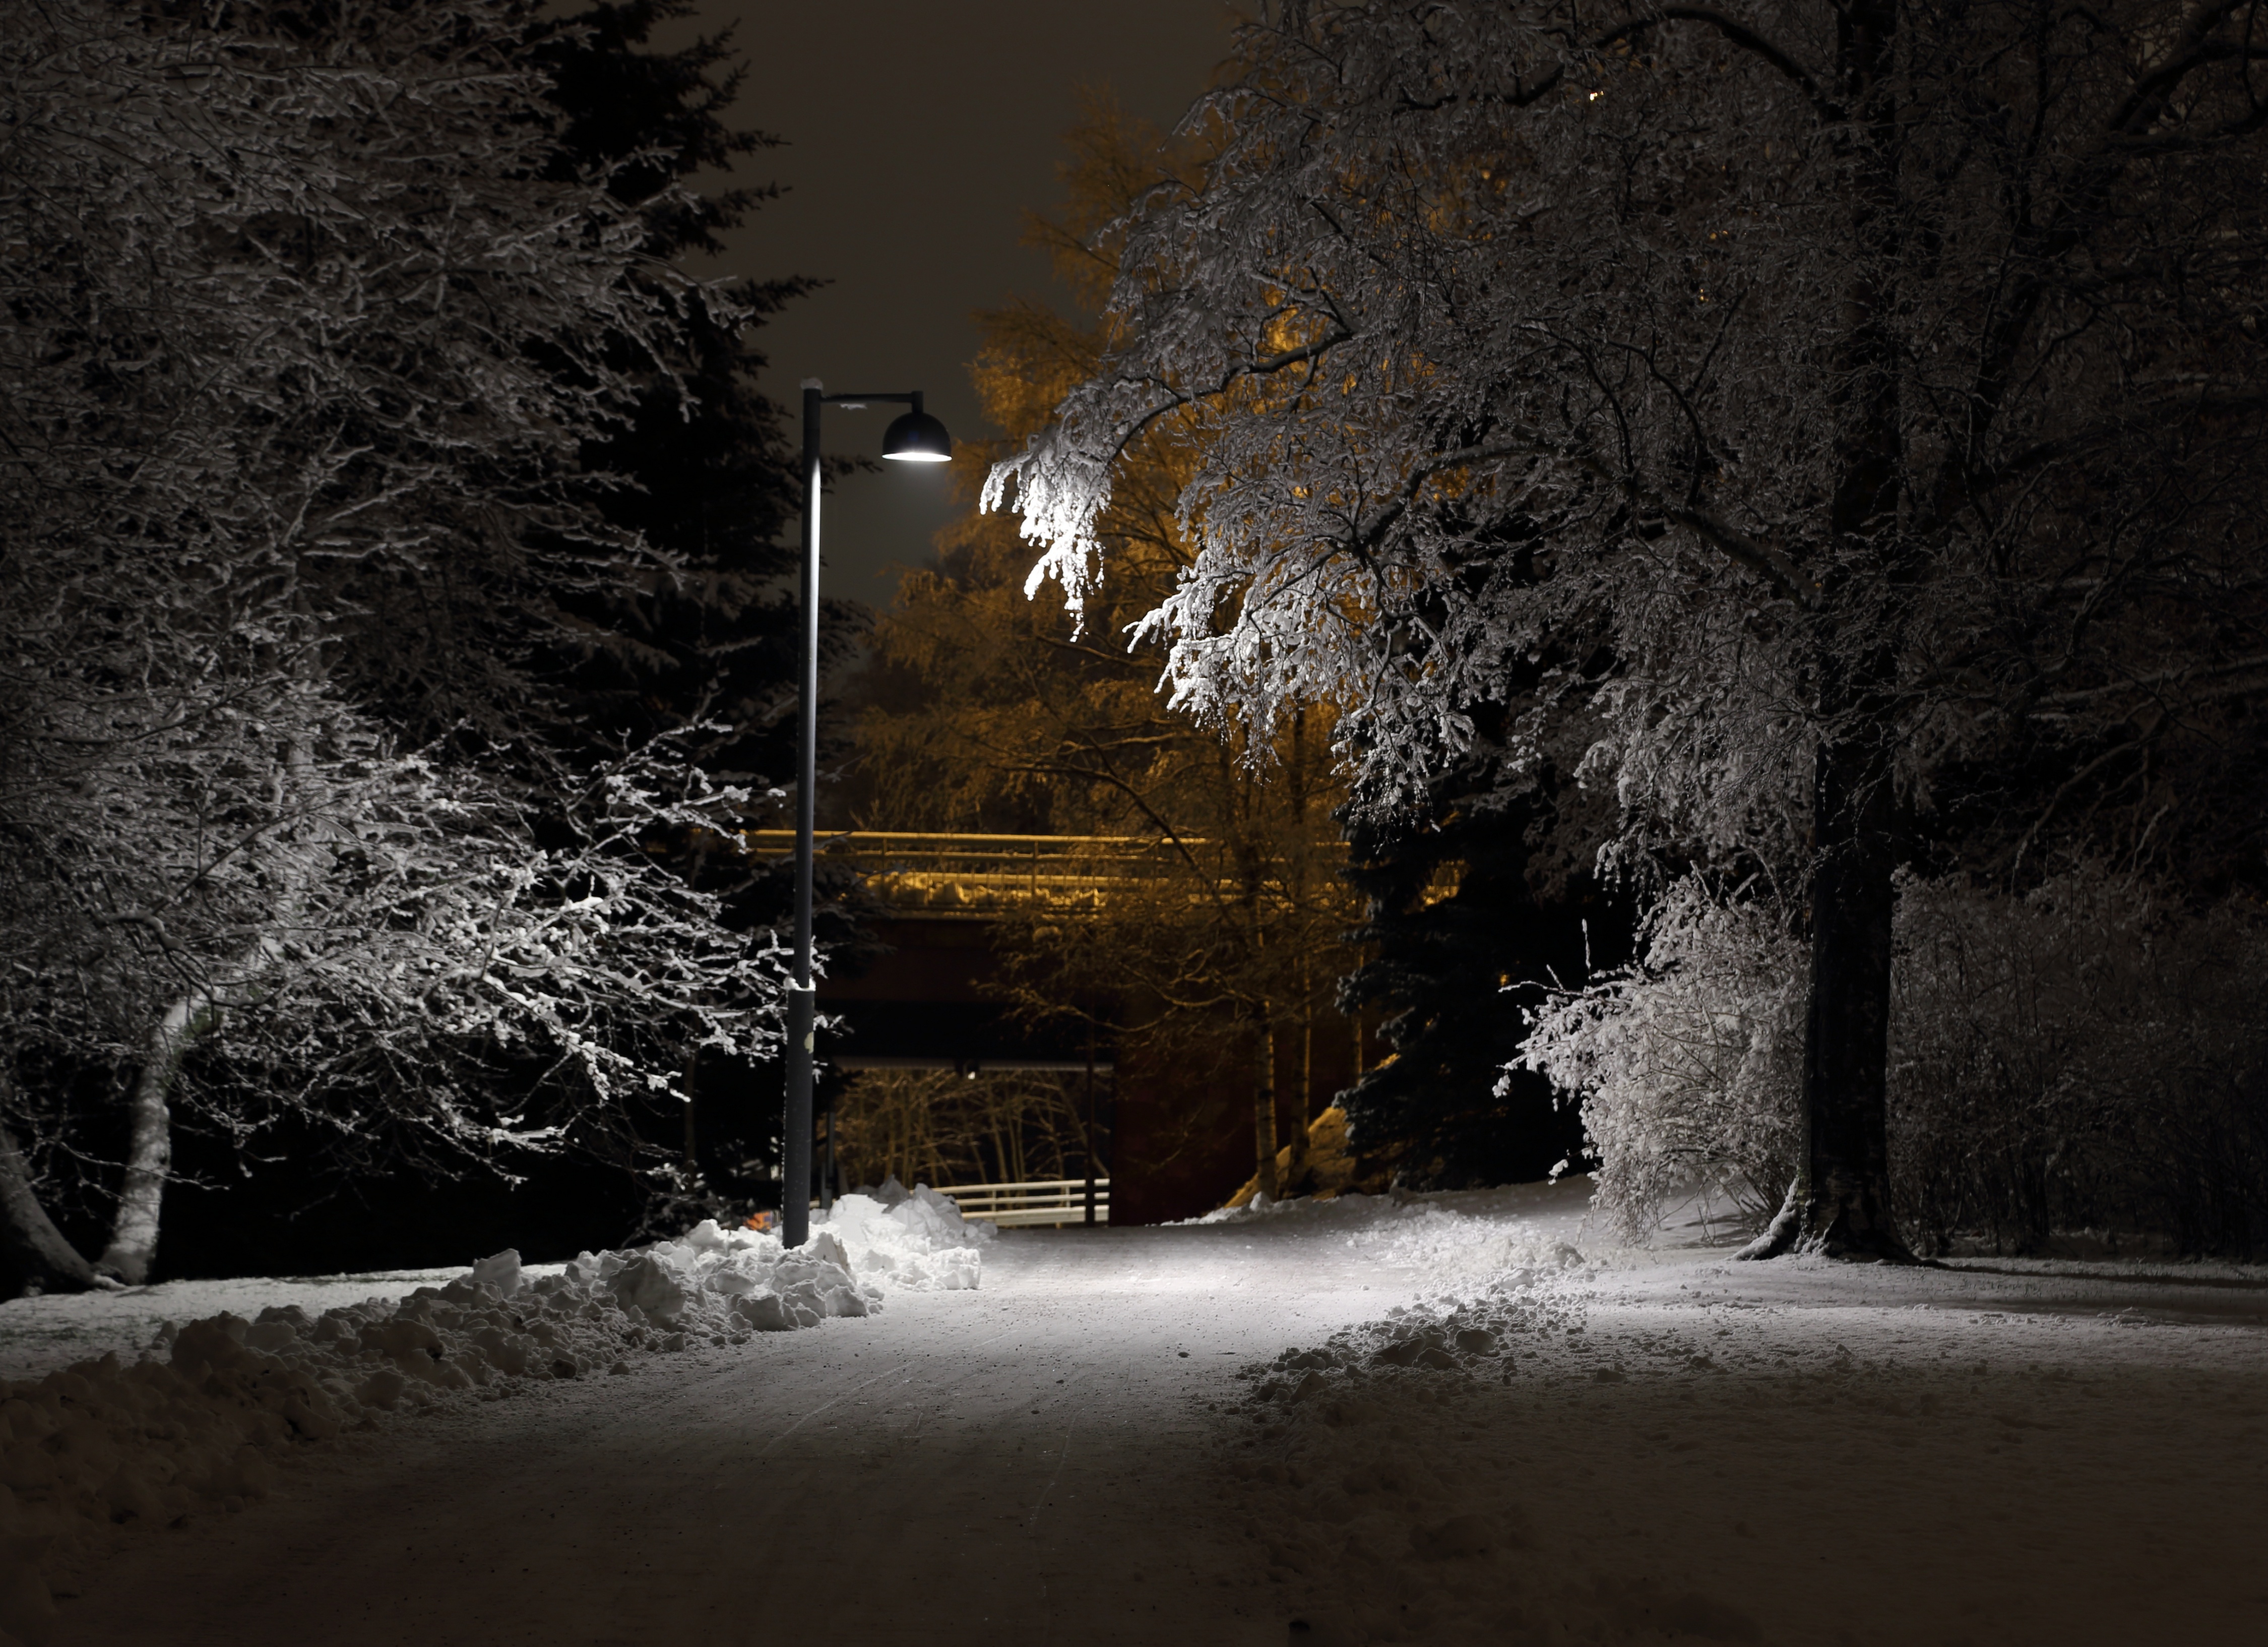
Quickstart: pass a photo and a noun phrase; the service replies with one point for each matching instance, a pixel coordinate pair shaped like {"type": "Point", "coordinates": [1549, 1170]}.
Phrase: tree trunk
{"type": "Point", "coordinates": [1839, 1205]}
{"type": "Point", "coordinates": [1263, 1109]}
{"type": "Point", "coordinates": [150, 1144]}
{"type": "Point", "coordinates": [44, 1260]}
{"type": "Point", "coordinates": [1304, 1099]}
{"type": "Point", "coordinates": [1086, 1124]}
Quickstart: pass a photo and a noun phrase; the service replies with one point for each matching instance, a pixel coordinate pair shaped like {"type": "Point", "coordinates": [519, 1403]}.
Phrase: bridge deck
{"type": "Point", "coordinates": [949, 874]}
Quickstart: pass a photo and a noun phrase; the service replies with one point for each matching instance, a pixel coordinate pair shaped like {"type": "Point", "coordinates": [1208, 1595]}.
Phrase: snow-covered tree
{"type": "Point", "coordinates": [1880, 383]}
{"type": "Point", "coordinates": [990, 710]}
{"type": "Point", "coordinates": [305, 348]}
{"type": "Point", "coordinates": [1687, 1064]}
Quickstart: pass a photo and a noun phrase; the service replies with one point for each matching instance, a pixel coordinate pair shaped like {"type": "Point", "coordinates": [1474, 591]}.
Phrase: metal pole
{"type": "Point", "coordinates": [1090, 1123]}
{"type": "Point", "coordinates": [795, 1133]}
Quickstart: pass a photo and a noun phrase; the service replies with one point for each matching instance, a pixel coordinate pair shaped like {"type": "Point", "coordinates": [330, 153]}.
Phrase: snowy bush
{"type": "Point", "coordinates": [2090, 1055]}
{"type": "Point", "coordinates": [1688, 1061]}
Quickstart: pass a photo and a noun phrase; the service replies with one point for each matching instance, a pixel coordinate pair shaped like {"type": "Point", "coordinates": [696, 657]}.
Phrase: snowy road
{"type": "Point", "coordinates": [1659, 1447]}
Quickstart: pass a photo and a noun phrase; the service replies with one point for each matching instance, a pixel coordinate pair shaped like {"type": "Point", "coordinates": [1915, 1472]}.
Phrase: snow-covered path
{"type": "Point", "coordinates": [1020, 1463]}
{"type": "Point", "coordinates": [1644, 1448]}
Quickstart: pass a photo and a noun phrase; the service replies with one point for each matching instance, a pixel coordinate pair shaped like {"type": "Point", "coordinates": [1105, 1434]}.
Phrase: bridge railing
{"type": "Point", "coordinates": [1040, 1201]}
{"type": "Point", "coordinates": [978, 874]}
{"type": "Point", "coordinates": [947, 874]}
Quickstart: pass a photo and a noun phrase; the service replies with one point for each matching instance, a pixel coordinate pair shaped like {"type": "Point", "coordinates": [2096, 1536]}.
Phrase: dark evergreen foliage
{"type": "Point", "coordinates": [714, 467]}
{"type": "Point", "coordinates": [712, 461]}
{"type": "Point", "coordinates": [1469, 916]}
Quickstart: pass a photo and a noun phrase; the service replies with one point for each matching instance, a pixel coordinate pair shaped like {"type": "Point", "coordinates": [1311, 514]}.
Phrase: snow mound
{"type": "Point", "coordinates": [1482, 1336]}
{"type": "Point", "coordinates": [907, 1240]}
{"type": "Point", "coordinates": [920, 1245]}
{"type": "Point", "coordinates": [1454, 1246]}
{"type": "Point", "coordinates": [1453, 1238]}
{"type": "Point", "coordinates": [91, 1452]}
{"type": "Point", "coordinates": [722, 1284]}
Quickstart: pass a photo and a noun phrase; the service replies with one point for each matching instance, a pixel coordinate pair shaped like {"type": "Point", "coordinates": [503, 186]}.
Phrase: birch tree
{"type": "Point", "coordinates": [1881, 379]}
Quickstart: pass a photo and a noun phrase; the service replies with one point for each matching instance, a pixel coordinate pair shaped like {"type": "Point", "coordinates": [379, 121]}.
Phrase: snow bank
{"type": "Point", "coordinates": [913, 1240]}
{"type": "Point", "coordinates": [1477, 1336]}
{"type": "Point", "coordinates": [107, 1446]}
{"type": "Point", "coordinates": [1459, 1239]}
{"type": "Point", "coordinates": [895, 1239]}
{"type": "Point", "coordinates": [1378, 1521]}
{"type": "Point", "coordinates": [1577, 1451]}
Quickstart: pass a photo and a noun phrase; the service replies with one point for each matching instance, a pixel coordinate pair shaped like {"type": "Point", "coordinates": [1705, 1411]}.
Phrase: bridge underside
{"type": "Point", "coordinates": [1180, 1133]}
{"type": "Point", "coordinates": [925, 1003]}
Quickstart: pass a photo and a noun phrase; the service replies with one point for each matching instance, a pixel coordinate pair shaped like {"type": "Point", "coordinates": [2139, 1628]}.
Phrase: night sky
{"type": "Point", "coordinates": [917, 136]}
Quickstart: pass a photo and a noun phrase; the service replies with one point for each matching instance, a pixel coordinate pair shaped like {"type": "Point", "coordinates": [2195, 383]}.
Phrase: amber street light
{"type": "Point", "coordinates": [914, 438]}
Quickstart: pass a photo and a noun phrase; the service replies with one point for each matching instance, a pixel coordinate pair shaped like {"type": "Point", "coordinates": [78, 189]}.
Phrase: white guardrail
{"type": "Point", "coordinates": [1042, 1202]}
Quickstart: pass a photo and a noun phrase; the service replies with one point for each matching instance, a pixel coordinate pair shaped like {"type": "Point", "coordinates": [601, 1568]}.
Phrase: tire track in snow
{"type": "Point", "coordinates": [828, 1406]}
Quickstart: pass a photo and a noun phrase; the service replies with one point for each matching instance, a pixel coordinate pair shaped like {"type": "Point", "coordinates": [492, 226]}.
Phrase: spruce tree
{"type": "Point", "coordinates": [709, 459]}
{"type": "Point", "coordinates": [1473, 910]}
{"type": "Point", "coordinates": [715, 487]}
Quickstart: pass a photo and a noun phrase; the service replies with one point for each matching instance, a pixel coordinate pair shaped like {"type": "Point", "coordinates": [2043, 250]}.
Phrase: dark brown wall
{"type": "Point", "coordinates": [1181, 1138]}
{"type": "Point", "coordinates": [927, 960]}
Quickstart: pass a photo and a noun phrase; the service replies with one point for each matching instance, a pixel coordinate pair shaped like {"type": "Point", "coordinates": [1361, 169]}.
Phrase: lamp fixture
{"type": "Point", "coordinates": [918, 438]}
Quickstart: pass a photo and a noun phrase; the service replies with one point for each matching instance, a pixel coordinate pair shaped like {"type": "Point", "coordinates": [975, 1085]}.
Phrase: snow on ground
{"type": "Point", "coordinates": [1665, 1443]}
{"type": "Point", "coordinates": [1472, 1234]}
{"type": "Point", "coordinates": [1436, 1419]}
{"type": "Point", "coordinates": [115, 1440]}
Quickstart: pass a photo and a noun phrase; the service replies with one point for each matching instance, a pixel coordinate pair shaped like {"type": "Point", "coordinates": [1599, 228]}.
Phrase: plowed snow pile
{"type": "Point", "coordinates": [1457, 1237]}
{"type": "Point", "coordinates": [915, 1241]}
{"type": "Point", "coordinates": [106, 1442]}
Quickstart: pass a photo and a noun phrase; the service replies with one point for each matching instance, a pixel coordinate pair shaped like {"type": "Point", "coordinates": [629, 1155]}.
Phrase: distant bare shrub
{"type": "Point", "coordinates": [938, 1126]}
{"type": "Point", "coordinates": [2090, 1056]}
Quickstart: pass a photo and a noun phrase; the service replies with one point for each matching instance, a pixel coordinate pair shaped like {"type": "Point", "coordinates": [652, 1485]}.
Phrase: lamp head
{"type": "Point", "coordinates": [918, 438]}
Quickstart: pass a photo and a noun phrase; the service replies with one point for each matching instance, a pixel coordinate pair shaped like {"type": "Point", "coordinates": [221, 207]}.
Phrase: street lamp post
{"type": "Point", "coordinates": [914, 438]}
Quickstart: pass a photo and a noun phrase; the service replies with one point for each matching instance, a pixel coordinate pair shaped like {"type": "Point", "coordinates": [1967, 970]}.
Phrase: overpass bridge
{"type": "Point", "coordinates": [929, 1001]}
{"type": "Point", "coordinates": [965, 877]}
{"type": "Point", "coordinates": [1180, 1138]}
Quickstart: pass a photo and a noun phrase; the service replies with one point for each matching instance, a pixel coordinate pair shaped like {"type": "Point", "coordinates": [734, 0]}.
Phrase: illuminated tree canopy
{"type": "Point", "coordinates": [1880, 384]}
